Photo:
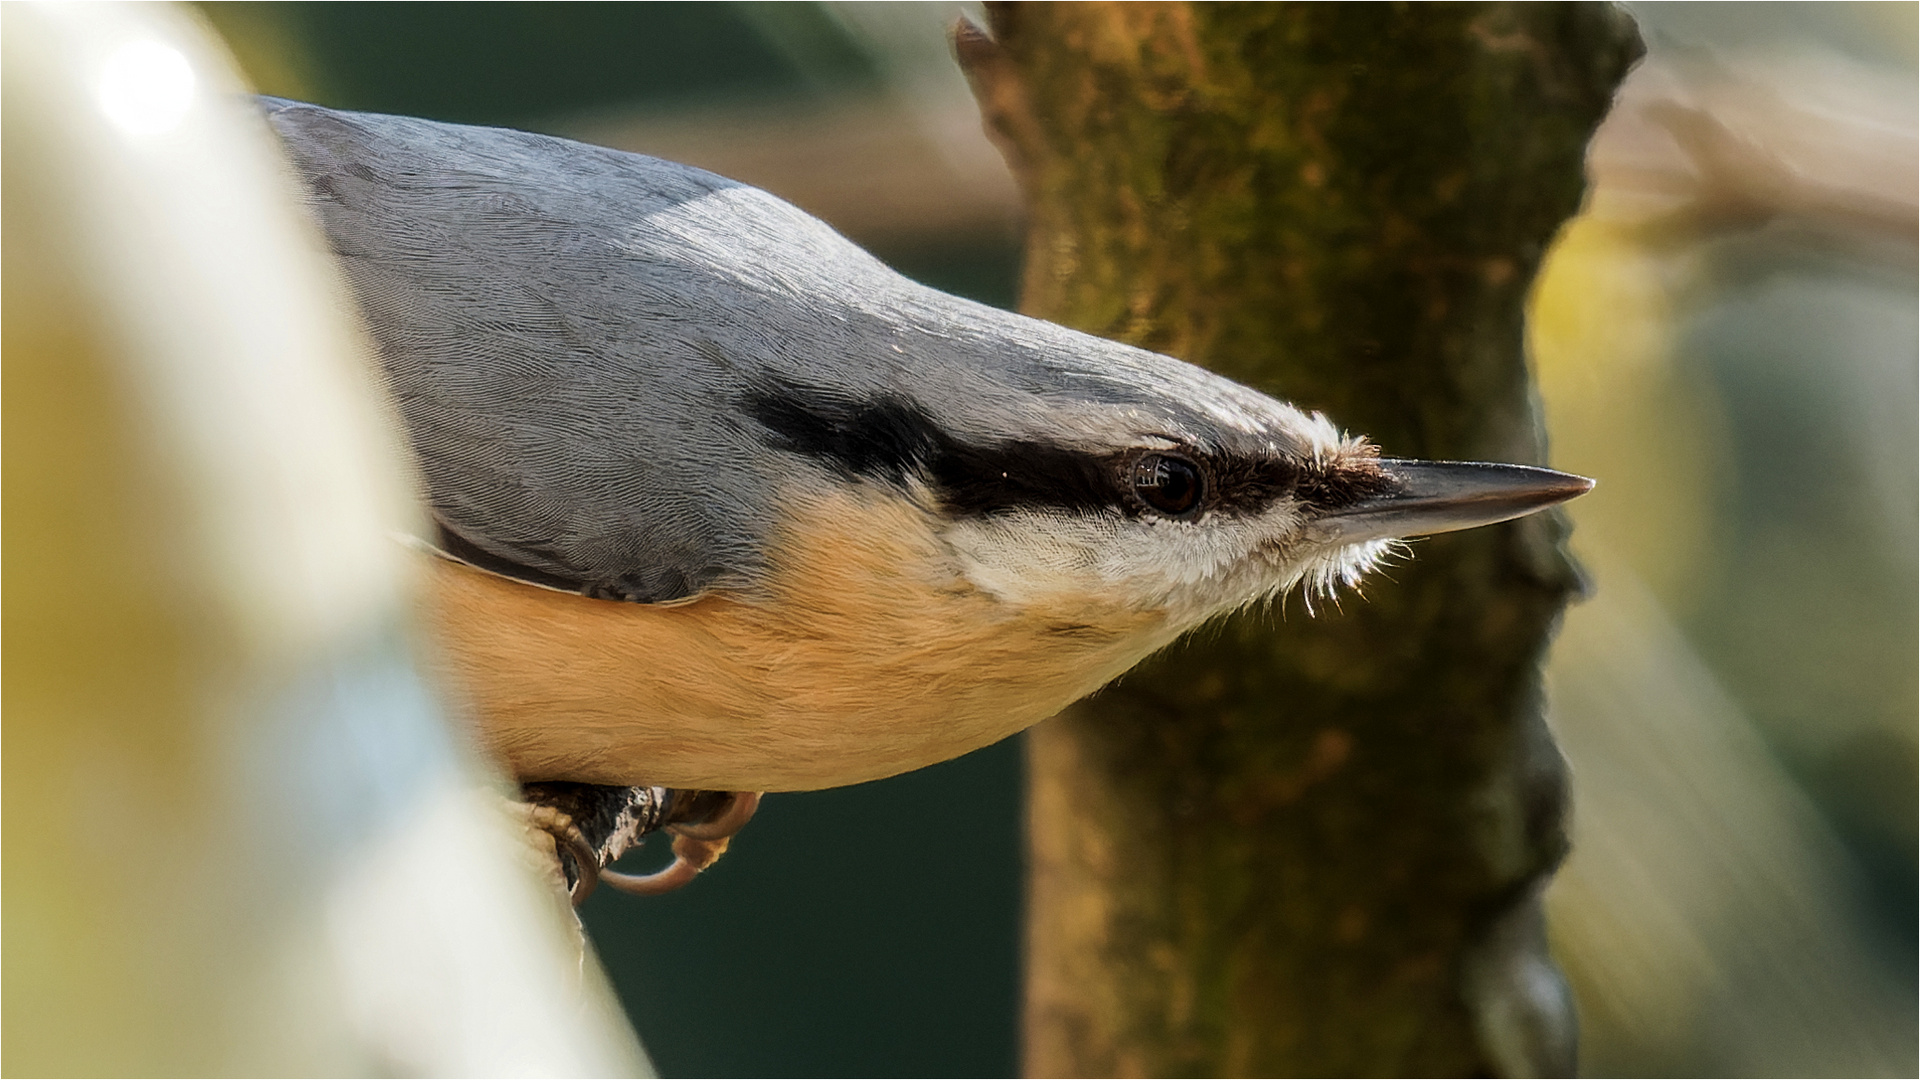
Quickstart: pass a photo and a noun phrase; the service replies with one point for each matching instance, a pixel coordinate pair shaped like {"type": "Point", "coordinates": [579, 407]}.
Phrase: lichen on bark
{"type": "Point", "coordinates": [1293, 844]}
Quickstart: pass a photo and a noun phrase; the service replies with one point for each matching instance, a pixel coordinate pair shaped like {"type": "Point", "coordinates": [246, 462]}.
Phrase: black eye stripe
{"type": "Point", "coordinates": [1013, 476]}
{"type": "Point", "coordinates": [891, 438]}
{"type": "Point", "coordinates": [1250, 485]}
{"type": "Point", "coordinates": [886, 437]}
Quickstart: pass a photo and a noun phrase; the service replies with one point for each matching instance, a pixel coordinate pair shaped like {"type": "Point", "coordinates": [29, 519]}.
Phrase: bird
{"type": "Point", "coordinates": [720, 502]}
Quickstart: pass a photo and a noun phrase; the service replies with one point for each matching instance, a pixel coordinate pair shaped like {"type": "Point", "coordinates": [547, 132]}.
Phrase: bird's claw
{"type": "Point", "coordinates": [696, 846]}
{"type": "Point", "coordinates": [593, 825]}
{"type": "Point", "coordinates": [569, 843]}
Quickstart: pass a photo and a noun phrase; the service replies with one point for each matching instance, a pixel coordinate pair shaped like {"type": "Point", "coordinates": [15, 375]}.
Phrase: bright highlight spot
{"type": "Point", "coordinates": [146, 87]}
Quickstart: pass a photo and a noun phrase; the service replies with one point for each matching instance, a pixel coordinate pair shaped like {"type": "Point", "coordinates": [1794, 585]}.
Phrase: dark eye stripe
{"type": "Point", "coordinates": [891, 438]}
{"type": "Point", "coordinates": [1013, 476]}
{"type": "Point", "coordinates": [887, 437]}
{"type": "Point", "coordinates": [1250, 485]}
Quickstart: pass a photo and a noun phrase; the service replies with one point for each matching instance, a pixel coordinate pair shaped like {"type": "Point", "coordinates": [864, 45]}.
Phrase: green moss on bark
{"type": "Point", "coordinates": [1305, 844]}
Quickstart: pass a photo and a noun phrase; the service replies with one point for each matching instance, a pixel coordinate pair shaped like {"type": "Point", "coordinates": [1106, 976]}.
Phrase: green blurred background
{"type": "Point", "coordinates": [1726, 339]}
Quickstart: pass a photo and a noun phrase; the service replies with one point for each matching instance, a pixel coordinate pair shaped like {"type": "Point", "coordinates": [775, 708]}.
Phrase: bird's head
{"type": "Point", "coordinates": [1084, 470]}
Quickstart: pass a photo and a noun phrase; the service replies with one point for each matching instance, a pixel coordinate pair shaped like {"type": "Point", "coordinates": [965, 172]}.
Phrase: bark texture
{"type": "Point", "coordinates": [1310, 845]}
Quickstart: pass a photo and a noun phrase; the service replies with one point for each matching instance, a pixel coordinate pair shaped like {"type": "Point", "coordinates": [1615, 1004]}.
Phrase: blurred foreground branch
{"type": "Point", "coordinates": [210, 681]}
{"type": "Point", "coordinates": [1310, 845]}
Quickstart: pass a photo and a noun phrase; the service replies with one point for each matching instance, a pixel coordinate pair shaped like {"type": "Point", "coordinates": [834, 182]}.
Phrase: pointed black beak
{"type": "Point", "coordinates": [1444, 496]}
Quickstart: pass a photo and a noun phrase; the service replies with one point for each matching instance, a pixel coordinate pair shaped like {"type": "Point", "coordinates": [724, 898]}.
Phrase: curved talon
{"type": "Point", "coordinates": [566, 834]}
{"type": "Point", "coordinates": [677, 873]}
{"type": "Point", "coordinates": [740, 809]}
{"type": "Point", "coordinates": [696, 846]}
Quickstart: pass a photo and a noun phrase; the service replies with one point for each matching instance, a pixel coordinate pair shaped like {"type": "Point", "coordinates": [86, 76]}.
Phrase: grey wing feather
{"type": "Point", "coordinates": [539, 357]}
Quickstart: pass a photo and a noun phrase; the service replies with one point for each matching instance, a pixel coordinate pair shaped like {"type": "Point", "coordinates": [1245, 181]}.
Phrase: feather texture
{"type": "Point", "coordinates": [579, 340]}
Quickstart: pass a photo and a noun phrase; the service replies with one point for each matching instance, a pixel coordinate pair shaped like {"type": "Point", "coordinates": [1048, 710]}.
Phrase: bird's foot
{"type": "Point", "coordinates": [592, 825]}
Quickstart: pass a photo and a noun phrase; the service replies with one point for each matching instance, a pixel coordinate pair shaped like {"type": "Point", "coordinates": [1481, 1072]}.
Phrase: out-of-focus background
{"type": "Point", "coordinates": [1726, 339]}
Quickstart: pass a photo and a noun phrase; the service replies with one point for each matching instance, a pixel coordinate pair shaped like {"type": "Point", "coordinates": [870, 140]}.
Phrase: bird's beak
{"type": "Point", "coordinates": [1444, 496]}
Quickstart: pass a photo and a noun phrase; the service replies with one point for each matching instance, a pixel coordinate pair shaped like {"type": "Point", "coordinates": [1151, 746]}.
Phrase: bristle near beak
{"type": "Point", "coordinates": [1430, 497]}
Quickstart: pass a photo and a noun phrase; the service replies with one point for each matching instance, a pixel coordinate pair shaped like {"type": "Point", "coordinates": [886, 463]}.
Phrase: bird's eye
{"type": "Point", "coordinates": [1168, 484]}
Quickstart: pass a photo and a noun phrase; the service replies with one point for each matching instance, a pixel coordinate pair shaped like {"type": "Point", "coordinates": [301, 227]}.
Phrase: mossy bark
{"type": "Point", "coordinates": [1310, 844]}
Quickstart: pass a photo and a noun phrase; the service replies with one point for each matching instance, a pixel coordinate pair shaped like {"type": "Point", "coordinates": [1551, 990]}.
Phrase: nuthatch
{"type": "Point", "coordinates": [727, 504]}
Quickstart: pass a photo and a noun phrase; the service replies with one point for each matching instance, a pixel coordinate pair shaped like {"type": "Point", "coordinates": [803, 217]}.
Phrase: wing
{"type": "Point", "coordinates": [562, 371]}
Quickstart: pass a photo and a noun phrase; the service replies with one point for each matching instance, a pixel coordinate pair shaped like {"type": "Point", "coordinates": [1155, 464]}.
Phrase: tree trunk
{"type": "Point", "coordinates": [1310, 844]}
